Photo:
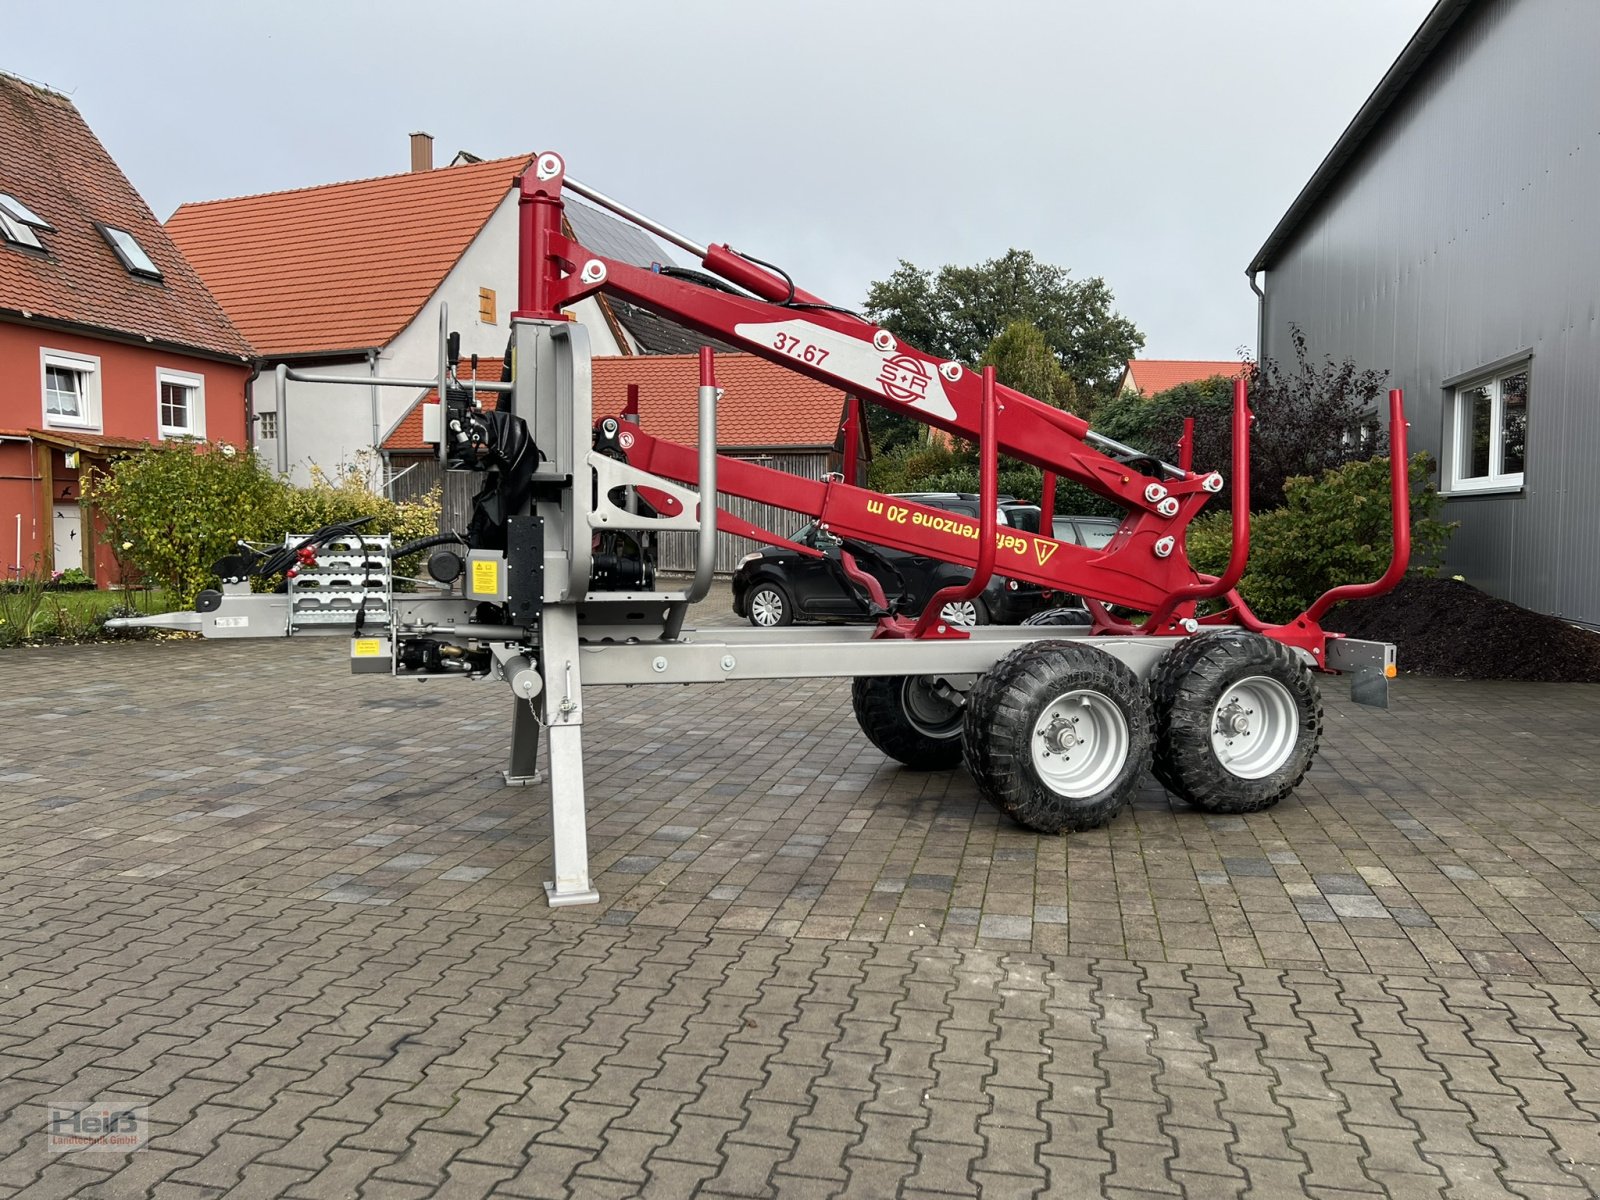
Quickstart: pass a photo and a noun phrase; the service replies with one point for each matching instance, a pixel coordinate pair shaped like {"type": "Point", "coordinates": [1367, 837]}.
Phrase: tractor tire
{"type": "Point", "coordinates": [1238, 719]}
{"type": "Point", "coordinates": [1057, 736]}
{"type": "Point", "coordinates": [904, 718]}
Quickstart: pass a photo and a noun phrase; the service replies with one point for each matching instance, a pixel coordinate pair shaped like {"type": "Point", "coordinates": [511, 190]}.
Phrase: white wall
{"type": "Point", "coordinates": [331, 425]}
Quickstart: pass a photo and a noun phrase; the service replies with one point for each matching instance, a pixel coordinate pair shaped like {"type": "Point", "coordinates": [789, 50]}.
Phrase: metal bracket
{"type": "Point", "coordinates": [611, 474]}
{"type": "Point", "coordinates": [1370, 665]}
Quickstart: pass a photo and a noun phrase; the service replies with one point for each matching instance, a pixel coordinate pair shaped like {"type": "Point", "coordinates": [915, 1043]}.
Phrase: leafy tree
{"type": "Point", "coordinates": [957, 312]}
{"type": "Point", "coordinates": [1310, 417]}
{"type": "Point", "coordinates": [1022, 359]}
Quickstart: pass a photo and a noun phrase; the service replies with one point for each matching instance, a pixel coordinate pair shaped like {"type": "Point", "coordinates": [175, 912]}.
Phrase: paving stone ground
{"type": "Point", "coordinates": [295, 913]}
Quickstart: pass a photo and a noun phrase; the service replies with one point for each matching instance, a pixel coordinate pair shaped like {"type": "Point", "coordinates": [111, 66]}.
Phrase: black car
{"type": "Point", "coordinates": [1027, 598]}
{"type": "Point", "coordinates": [777, 586]}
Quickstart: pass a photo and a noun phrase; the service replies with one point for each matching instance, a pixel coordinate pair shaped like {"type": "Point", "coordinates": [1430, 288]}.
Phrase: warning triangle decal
{"type": "Point", "coordinates": [1043, 549]}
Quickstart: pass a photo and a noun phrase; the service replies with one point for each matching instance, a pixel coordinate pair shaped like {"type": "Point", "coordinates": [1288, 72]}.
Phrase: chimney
{"type": "Point", "coordinates": [422, 151]}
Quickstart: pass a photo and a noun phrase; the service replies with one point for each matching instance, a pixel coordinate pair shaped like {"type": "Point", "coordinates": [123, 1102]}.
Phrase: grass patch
{"type": "Point", "coordinates": [34, 615]}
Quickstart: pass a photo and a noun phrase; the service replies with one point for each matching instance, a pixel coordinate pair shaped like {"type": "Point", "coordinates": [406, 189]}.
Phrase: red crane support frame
{"type": "Point", "coordinates": [1143, 567]}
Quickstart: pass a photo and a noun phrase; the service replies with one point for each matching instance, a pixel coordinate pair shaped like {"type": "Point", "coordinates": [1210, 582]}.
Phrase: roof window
{"type": "Point", "coordinates": [18, 222]}
{"type": "Point", "coordinates": [17, 210]}
{"type": "Point", "coordinates": [130, 252]}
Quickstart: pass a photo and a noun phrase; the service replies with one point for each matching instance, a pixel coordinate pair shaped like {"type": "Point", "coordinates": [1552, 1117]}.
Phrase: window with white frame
{"type": "Point", "coordinates": [1488, 431]}
{"type": "Point", "coordinates": [71, 387]}
{"type": "Point", "coordinates": [181, 404]}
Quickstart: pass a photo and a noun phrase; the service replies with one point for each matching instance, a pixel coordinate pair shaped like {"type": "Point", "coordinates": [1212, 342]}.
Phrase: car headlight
{"type": "Point", "coordinates": [748, 558]}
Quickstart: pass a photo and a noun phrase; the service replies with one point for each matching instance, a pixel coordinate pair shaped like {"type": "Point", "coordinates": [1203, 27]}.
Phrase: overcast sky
{"type": "Point", "coordinates": [1152, 142]}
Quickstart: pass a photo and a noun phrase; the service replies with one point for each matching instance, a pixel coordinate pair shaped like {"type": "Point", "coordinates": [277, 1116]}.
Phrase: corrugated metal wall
{"type": "Point", "coordinates": [677, 549]}
{"type": "Point", "coordinates": [1465, 233]}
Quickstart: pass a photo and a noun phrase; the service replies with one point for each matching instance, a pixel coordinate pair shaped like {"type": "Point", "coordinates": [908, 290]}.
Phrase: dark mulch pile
{"type": "Point", "coordinates": [1445, 627]}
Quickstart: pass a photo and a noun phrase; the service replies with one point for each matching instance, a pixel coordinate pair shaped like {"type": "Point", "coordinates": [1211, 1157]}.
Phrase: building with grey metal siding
{"type": "Point", "coordinates": [1452, 237]}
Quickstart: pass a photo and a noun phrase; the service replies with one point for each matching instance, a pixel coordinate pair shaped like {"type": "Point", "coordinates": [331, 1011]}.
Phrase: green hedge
{"type": "Point", "coordinates": [171, 510]}
{"type": "Point", "coordinates": [1332, 529]}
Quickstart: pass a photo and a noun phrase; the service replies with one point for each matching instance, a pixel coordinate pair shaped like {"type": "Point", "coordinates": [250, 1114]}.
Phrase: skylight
{"type": "Point", "coordinates": [130, 252]}
{"type": "Point", "coordinates": [16, 232]}
{"type": "Point", "coordinates": [12, 207]}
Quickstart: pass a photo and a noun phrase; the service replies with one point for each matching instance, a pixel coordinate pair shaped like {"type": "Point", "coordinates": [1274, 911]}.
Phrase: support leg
{"type": "Point", "coordinates": [563, 701]}
{"type": "Point", "coordinates": [524, 768]}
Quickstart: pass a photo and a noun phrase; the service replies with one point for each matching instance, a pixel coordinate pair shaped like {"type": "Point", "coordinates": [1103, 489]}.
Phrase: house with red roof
{"type": "Point", "coordinates": [108, 338]}
{"type": "Point", "coordinates": [348, 279]}
{"type": "Point", "coordinates": [1149, 376]}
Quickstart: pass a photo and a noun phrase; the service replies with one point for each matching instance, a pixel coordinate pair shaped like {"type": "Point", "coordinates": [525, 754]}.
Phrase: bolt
{"type": "Point", "coordinates": [658, 665]}
{"type": "Point", "coordinates": [1154, 493]}
{"type": "Point", "coordinates": [1165, 546]}
{"type": "Point", "coordinates": [727, 662]}
{"type": "Point", "coordinates": [951, 371]}
{"type": "Point", "coordinates": [883, 340]}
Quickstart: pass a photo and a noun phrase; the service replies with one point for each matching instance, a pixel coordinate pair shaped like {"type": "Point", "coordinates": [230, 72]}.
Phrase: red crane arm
{"type": "Point", "coordinates": [837, 348]}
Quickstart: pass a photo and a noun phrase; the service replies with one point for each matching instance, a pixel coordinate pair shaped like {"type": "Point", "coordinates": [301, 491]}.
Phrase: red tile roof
{"type": "Point", "coordinates": [763, 405]}
{"type": "Point", "coordinates": [52, 162]}
{"type": "Point", "coordinates": [1152, 375]}
{"type": "Point", "coordinates": [343, 266]}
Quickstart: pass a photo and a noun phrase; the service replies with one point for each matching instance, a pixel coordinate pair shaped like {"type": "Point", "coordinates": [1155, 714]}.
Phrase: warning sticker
{"type": "Point", "coordinates": [485, 577]}
{"type": "Point", "coordinates": [366, 647]}
{"type": "Point", "coordinates": [1043, 550]}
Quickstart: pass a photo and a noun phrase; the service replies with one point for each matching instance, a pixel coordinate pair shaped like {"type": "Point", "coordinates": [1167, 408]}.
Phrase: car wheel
{"type": "Point", "coordinates": [770, 607]}
{"type": "Point", "coordinates": [965, 613]}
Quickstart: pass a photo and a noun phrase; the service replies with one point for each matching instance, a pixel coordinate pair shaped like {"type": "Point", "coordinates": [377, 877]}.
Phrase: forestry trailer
{"type": "Point", "coordinates": [552, 589]}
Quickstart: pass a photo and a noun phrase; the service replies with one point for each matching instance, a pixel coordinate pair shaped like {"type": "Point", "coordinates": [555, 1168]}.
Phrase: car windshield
{"type": "Point", "coordinates": [1096, 534]}
{"type": "Point", "coordinates": [1093, 532]}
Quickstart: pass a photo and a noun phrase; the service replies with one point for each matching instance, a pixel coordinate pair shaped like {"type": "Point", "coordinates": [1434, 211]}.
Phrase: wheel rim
{"type": "Point", "coordinates": [929, 713]}
{"type": "Point", "coordinates": [1080, 743]}
{"type": "Point", "coordinates": [1254, 727]}
{"type": "Point", "coordinates": [959, 612]}
{"type": "Point", "coordinates": [766, 607]}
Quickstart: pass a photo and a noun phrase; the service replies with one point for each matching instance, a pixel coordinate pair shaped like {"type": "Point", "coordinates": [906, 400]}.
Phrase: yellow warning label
{"type": "Point", "coordinates": [366, 647]}
{"type": "Point", "coordinates": [485, 577]}
{"type": "Point", "coordinates": [1043, 549]}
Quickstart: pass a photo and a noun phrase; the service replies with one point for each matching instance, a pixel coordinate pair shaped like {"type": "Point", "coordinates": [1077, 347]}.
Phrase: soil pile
{"type": "Point", "coordinates": [1449, 628]}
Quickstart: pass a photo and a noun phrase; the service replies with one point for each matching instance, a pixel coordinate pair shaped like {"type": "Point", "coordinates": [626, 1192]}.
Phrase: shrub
{"type": "Point", "coordinates": [345, 497]}
{"type": "Point", "coordinates": [173, 509]}
{"type": "Point", "coordinates": [20, 605]}
{"type": "Point", "coordinates": [1332, 529]}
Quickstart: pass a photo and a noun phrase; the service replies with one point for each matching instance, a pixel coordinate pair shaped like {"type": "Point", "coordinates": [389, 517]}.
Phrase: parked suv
{"type": "Point", "coordinates": [777, 586]}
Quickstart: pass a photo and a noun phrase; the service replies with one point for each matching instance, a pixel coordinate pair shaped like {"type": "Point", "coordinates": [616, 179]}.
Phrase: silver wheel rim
{"type": "Point", "coordinates": [766, 607]}
{"type": "Point", "coordinates": [960, 612]}
{"type": "Point", "coordinates": [1254, 727]}
{"type": "Point", "coordinates": [1080, 744]}
{"type": "Point", "coordinates": [929, 713]}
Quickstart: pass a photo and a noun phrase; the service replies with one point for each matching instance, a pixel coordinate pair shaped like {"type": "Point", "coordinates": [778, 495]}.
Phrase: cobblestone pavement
{"type": "Point", "coordinates": [295, 913]}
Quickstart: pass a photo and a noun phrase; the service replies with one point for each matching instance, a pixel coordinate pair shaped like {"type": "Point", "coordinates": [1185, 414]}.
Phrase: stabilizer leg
{"type": "Point", "coordinates": [563, 701]}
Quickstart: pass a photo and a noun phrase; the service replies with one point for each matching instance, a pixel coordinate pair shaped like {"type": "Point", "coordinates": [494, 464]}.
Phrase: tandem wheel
{"type": "Point", "coordinates": [1238, 718]}
{"type": "Point", "coordinates": [1057, 735]}
{"type": "Point", "coordinates": [914, 719]}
